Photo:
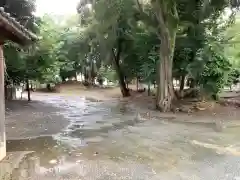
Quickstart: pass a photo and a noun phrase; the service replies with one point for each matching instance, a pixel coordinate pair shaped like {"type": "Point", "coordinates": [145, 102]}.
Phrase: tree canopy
{"type": "Point", "coordinates": [154, 41]}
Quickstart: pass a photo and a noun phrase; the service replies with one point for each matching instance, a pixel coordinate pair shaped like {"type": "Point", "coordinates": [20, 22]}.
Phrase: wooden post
{"type": "Point", "coordinates": [2, 106]}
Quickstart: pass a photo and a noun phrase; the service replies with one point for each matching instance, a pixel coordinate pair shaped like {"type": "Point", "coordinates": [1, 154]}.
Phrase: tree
{"type": "Point", "coordinates": [170, 15]}
{"type": "Point", "coordinates": [38, 62]}
{"type": "Point", "coordinates": [22, 10]}
{"type": "Point", "coordinates": [110, 27]}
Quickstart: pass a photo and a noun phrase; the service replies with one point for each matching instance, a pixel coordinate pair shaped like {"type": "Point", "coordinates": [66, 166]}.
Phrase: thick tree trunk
{"type": "Point", "coordinates": [28, 90]}
{"type": "Point", "coordinates": [121, 77]}
{"type": "Point", "coordinates": [182, 84]}
{"type": "Point", "coordinates": [49, 87]}
{"type": "Point", "coordinates": [122, 84]}
{"type": "Point", "coordinates": [192, 83]}
{"type": "Point", "coordinates": [165, 89]}
{"type": "Point", "coordinates": [167, 17]}
{"type": "Point", "coordinates": [165, 93]}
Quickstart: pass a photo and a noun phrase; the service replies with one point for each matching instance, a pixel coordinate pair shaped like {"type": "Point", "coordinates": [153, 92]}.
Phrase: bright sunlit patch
{"type": "Point", "coordinates": [56, 7]}
{"type": "Point", "coordinates": [53, 161]}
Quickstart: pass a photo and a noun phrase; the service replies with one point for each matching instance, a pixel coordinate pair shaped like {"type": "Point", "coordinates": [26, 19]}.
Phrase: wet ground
{"type": "Point", "coordinates": [103, 140]}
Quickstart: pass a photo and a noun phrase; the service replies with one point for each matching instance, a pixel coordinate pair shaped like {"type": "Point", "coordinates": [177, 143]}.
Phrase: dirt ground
{"type": "Point", "coordinates": [96, 93]}
{"type": "Point", "coordinates": [28, 119]}
{"type": "Point", "coordinates": [36, 118]}
{"type": "Point", "coordinates": [189, 110]}
{"type": "Point", "coordinates": [69, 130]}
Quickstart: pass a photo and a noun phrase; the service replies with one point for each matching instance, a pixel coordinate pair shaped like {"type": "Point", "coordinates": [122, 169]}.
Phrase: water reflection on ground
{"type": "Point", "coordinates": [104, 141]}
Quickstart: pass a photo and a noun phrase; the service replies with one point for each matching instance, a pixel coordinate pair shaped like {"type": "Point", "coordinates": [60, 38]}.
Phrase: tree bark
{"type": "Point", "coordinates": [192, 83]}
{"type": "Point", "coordinates": [122, 84]}
{"type": "Point", "coordinates": [28, 90]}
{"type": "Point", "coordinates": [182, 84]}
{"type": "Point", "coordinates": [149, 88]}
{"type": "Point", "coordinates": [85, 75]}
{"type": "Point", "coordinates": [137, 83]}
{"type": "Point", "coordinates": [164, 96]}
{"type": "Point", "coordinates": [76, 75]}
{"type": "Point", "coordinates": [165, 89]}
{"type": "Point", "coordinates": [126, 81]}
{"type": "Point", "coordinates": [22, 90]}
{"type": "Point", "coordinates": [49, 87]}
{"type": "Point", "coordinates": [168, 23]}
{"type": "Point", "coordinates": [116, 59]}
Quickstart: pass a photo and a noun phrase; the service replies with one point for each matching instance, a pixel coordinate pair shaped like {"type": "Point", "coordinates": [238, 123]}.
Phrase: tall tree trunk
{"type": "Point", "coordinates": [137, 83]}
{"type": "Point", "coordinates": [182, 84]}
{"type": "Point", "coordinates": [28, 90]}
{"type": "Point", "coordinates": [165, 89]}
{"type": "Point", "coordinates": [11, 92]}
{"type": "Point", "coordinates": [126, 81]}
{"type": "Point", "coordinates": [76, 76]}
{"type": "Point", "coordinates": [85, 75]}
{"type": "Point", "coordinates": [121, 77]}
{"type": "Point", "coordinates": [149, 88]}
{"type": "Point", "coordinates": [122, 84]}
{"type": "Point", "coordinates": [22, 90]}
{"type": "Point", "coordinates": [168, 23]}
{"type": "Point", "coordinates": [49, 87]}
{"type": "Point", "coordinates": [192, 83]}
{"type": "Point", "coordinates": [89, 77]}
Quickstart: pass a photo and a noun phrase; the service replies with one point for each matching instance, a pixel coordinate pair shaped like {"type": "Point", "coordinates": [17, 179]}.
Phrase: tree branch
{"type": "Point", "coordinates": [175, 12]}
{"type": "Point", "coordinates": [113, 53]}
{"type": "Point", "coordinates": [145, 15]}
{"type": "Point", "coordinates": [140, 6]}
{"type": "Point", "coordinates": [119, 50]}
{"type": "Point", "coordinates": [160, 17]}
{"type": "Point", "coordinates": [204, 8]}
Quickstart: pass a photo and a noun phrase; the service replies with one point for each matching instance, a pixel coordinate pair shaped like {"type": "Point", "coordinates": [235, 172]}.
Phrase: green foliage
{"type": "Point", "coordinates": [38, 61]}
{"type": "Point", "coordinates": [200, 45]}
{"type": "Point", "coordinates": [108, 73]}
{"type": "Point", "coordinates": [15, 71]}
{"type": "Point", "coordinates": [233, 44]}
{"type": "Point", "coordinates": [15, 57]}
{"type": "Point", "coordinates": [215, 73]}
{"type": "Point", "coordinates": [233, 77]}
{"type": "Point", "coordinates": [110, 36]}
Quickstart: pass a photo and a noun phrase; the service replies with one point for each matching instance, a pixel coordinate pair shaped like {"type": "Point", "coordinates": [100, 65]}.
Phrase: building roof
{"type": "Point", "coordinates": [18, 33]}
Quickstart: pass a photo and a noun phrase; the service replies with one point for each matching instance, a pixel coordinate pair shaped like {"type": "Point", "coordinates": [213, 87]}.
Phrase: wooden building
{"type": "Point", "coordinates": [10, 30]}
